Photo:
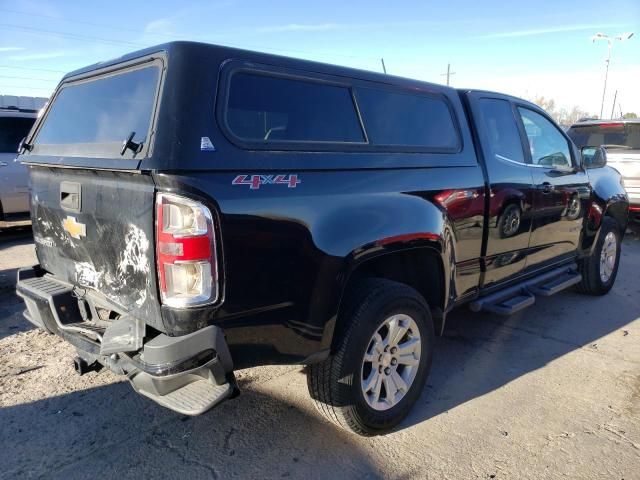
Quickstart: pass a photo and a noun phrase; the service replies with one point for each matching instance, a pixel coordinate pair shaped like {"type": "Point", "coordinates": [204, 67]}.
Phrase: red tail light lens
{"type": "Point", "coordinates": [185, 249]}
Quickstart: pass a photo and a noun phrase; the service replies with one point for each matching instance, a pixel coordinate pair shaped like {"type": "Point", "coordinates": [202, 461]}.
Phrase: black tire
{"type": "Point", "coordinates": [335, 384]}
{"type": "Point", "coordinates": [589, 267]}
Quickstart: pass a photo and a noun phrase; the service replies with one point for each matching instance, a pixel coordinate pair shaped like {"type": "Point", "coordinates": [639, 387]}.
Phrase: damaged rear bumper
{"type": "Point", "coordinates": [188, 374]}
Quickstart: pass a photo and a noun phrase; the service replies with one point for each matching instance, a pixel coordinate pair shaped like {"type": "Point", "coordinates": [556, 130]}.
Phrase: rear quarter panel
{"type": "Point", "coordinates": [608, 198]}
{"type": "Point", "coordinates": [287, 252]}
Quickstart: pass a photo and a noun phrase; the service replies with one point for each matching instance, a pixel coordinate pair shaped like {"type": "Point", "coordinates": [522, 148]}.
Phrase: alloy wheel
{"type": "Point", "coordinates": [391, 362]}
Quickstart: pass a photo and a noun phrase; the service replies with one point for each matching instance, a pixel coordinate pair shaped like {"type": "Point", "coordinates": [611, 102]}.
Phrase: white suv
{"type": "Point", "coordinates": [17, 115]}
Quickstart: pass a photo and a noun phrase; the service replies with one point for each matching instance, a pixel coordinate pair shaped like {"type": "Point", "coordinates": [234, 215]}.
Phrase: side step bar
{"type": "Point", "coordinates": [522, 295]}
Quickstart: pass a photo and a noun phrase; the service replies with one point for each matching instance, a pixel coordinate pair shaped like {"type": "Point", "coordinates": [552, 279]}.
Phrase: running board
{"type": "Point", "coordinates": [555, 285]}
{"type": "Point", "coordinates": [522, 295]}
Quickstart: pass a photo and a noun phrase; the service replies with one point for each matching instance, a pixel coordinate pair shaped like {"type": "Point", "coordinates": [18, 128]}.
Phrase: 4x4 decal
{"type": "Point", "coordinates": [254, 181]}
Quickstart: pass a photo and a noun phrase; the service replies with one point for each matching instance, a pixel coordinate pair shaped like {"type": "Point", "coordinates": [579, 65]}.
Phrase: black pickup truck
{"type": "Point", "coordinates": [198, 209]}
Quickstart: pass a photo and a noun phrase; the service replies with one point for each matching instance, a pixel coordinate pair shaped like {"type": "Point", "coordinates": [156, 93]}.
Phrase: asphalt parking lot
{"type": "Point", "coordinates": [552, 392]}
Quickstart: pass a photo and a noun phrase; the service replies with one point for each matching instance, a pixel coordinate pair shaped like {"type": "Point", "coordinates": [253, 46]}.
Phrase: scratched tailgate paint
{"type": "Point", "coordinates": [115, 255]}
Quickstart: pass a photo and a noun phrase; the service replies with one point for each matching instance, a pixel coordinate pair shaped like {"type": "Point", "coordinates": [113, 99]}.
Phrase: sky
{"type": "Point", "coordinates": [527, 49]}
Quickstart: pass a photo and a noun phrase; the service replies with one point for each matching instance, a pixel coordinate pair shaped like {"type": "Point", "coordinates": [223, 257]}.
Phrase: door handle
{"type": "Point", "coordinates": [70, 196]}
{"type": "Point", "coordinates": [546, 188]}
{"type": "Point", "coordinates": [4, 164]}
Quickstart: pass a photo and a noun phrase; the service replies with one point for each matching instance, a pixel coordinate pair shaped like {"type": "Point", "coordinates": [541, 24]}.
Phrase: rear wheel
{"type": "Point", "coordinates": [600, 269]}
{"type": "Point", "coordinates": [381, 360]}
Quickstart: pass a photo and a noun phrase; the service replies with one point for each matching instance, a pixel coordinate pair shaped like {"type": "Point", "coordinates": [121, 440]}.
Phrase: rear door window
{"type": "Point", "coordinates": [500, 126]}
{"type": "Point", "coordinates": [93, 117]}
{"type": "Point", "coordinates": [12, 130]}
{"type": "Point", "coordinates": [405, 120]}
{"type": "Point", "coordinates": [273, 109]}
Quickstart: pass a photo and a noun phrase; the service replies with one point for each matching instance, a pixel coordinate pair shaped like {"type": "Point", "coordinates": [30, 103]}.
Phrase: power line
{"type": "Point", "coordinates": [84, 22]}
{"type": "Point", "coordinates": [29, 78]}
{"type": "Point", "coordinates": [26, 88]}
{"type": "Point", "coordinates": [140, 32]}
{"type": "Point", "coordinates": [33, 68]}
{"type": "Point", "coordinates": [72, 35]}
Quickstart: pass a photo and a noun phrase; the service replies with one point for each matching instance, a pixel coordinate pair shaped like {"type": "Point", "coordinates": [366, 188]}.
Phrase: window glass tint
{"type": "Point", "coordinates": [548, 146]}
{"type": "Point", "coordinates": [12, 130]}
{"type": "Point", "coordinates": [613, 136]}
{"type": "Point", "coordinates": [501, 128]}
{"type": "Point", "coordinates": [105, 110]}
{"type": "Point", "coordinates": [406, 120]}
{"type": "Point", "coordinates": [271, 109]}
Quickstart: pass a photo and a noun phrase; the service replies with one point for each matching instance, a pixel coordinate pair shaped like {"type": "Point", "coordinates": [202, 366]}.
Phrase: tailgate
{"type": "Point", "coordinates": [92, 210]}
{"type": "Point", "coordinates": [95, 229]}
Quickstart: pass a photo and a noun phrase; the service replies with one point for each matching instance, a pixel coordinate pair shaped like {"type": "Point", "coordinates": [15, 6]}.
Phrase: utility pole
{"type": "Point", "coordinates": [602, 36]}
{"type": "Point", "coordinates": [606, 74]}
{"type": "Point", "coordinates": [448, 74]}
{"type": "Point", "coordinates": [384, 69]}
{"type": "Point", "coordinates": [613, 107]}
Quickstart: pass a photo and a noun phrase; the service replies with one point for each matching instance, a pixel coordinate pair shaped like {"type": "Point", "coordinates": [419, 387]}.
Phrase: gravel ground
{"type": "Point", "coordinates": [552, 392]}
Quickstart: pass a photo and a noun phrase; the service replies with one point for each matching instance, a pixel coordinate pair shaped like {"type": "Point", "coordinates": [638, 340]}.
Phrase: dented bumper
{"type": "Point", "coordinates": [189, 374]}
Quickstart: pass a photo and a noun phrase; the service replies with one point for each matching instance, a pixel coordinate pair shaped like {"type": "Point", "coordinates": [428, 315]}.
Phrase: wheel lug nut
{"type": "Point", "coordinates": [380, 358]}
{"type": "Point", "coordinates": [387, 371]}
{"type": "Point", "coordinates": [380, 369]}
{"type": "Point", "coordinates": [394, 349]}
{"type": "Point", "coordinates": [393, 361]}
{"type": "Point", "coordinates": [386, 349]}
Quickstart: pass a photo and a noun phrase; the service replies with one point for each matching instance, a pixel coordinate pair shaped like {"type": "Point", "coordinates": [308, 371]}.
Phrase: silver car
{"type": "Point", "coordinates": [621, 138]}
{"type": "Point", "coordinates": [17, 115]}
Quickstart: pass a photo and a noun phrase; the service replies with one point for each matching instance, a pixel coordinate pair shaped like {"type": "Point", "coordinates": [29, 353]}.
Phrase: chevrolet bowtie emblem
{"type": "Point", "coordinates": [73, 228]}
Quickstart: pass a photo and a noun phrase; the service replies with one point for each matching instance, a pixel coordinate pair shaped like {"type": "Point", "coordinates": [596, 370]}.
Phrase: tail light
{"type": "Point", "coordinates": [186, 253]}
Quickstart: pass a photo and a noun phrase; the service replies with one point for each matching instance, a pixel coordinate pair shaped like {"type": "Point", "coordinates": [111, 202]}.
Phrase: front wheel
{"type": "Point", "coordinates": [380, 362]}
{"type": "Point", "coordinates": [599, 270]}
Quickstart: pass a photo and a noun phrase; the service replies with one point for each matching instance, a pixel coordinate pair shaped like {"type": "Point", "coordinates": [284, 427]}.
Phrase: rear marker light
{"type": "Point", "coordinates": [185, 249]}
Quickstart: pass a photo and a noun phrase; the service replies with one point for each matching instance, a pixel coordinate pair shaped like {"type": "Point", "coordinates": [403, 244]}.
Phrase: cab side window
{"type": "Point", "coordinates": [548, 147]}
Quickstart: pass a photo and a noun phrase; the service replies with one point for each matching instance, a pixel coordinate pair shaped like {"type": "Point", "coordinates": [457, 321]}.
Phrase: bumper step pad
{"type": "Point", "coordinates": [194, 398]}
{"type": "Point", "coordinates": [191, 393]}
{"type": "Point", "coordinates": [52, 306]}
{"type": "Point", "coordinates": [522, 295]}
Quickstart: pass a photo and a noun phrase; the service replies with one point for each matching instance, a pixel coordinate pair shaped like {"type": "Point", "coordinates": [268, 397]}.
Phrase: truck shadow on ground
{"type": "Point", "coordinates": [109, 431]}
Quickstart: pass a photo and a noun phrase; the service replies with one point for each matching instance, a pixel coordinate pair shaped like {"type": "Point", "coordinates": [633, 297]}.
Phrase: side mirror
{"type": "Point", "coordinates": [593, 157]}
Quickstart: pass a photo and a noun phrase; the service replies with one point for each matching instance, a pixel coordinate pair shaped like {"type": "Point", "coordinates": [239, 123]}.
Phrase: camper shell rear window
{"type": "Point", "coordinates": [92, 117]}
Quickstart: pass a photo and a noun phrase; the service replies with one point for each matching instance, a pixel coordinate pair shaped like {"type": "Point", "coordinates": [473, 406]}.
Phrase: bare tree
{"type": "Point", "coordinates": [563, 116]}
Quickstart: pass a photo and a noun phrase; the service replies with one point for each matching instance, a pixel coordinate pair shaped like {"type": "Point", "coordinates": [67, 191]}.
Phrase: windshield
{"type": "Point", "coordinates": [93, 118]}
{"type": "Point", "coordinates": [12, 130]}
{"type": "Point", "coordinates": [617, 135]}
